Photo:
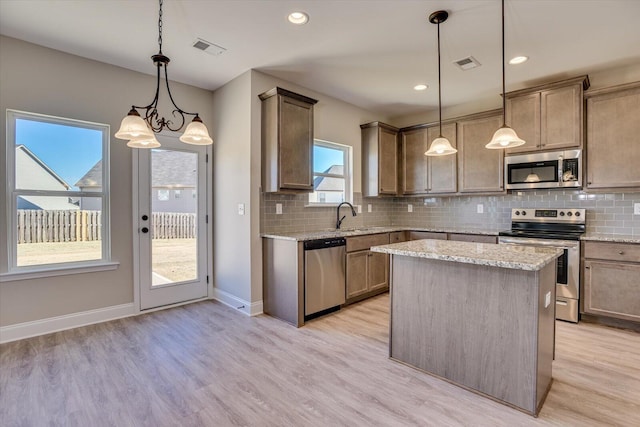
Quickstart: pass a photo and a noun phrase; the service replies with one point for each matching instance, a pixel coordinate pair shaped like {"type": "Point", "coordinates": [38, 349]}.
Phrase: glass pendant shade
{"type": "Point", "coordinates": [144, 142]}
{"type": "Point", "coordinates": [440, 147]}
{"type": "Point", "coordinates": [196, 133]}
{"type": "Point", "coordinates": [505, 137]}
{"type": "Point", "coordinates": [132, 126]}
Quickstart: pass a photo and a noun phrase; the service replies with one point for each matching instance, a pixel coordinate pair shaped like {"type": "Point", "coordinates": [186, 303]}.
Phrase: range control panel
{"type": "Point", "coordinates": [570, 215]}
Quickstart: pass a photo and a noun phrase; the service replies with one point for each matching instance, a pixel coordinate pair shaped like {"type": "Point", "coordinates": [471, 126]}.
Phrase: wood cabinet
{"type": "Point", "coordinates": [418, 235]}
{"type": "Point", "coordinates": [379, 160]}
{"type": "Point", "coordinates": [611, 280]}
{"type": "Point", "coordinates": [613, 127]}
{"type": "Point", "coordinates": [367, 272]}
{"type": "Point", "coordinates": [479, 170]}
{"type": "Point", "coordinates": [548, 117]}
{"type": "Point", "coordinates": [398, 237]}
{"type": "Point", "coordinates": [426, 174]}
{"type": "Point", "coordinates": [287, 142]}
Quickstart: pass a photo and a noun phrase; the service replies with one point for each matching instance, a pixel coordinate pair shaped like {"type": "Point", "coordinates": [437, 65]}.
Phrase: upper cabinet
{"type": "Point", "coordinates": [480, 170]}
{"type": "Point", "coordinates": [548, 117]}
{"type": "Point", "coordinates": [613, 129]}
{"type": "Point", "coordinates": [379, 159]}
{"type": "Point", "coordinates": [423, 174]}
{"type": "Point", "coordinates": [287, 142]}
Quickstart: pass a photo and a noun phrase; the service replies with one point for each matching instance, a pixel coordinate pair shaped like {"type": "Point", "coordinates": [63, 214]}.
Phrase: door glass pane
{"type": "Point", "coordinates": [53, 230]}
{"type": "Point", "coordinates": [174, 253]}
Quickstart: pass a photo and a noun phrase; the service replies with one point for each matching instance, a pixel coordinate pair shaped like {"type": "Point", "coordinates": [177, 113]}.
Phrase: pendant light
{"type": "Point", "coordinates": [441, 145]}
{"type": "Point", "coordinates": [504, 137]}
{"type": "Point", "coordinates": [140, 131]}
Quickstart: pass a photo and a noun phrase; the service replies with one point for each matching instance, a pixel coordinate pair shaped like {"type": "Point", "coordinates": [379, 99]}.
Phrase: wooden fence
{"type": "Point", "coordinates": [39, 226]}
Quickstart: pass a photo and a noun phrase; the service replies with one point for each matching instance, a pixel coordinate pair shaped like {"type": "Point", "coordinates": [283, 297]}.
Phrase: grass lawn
{"type": "Point", "coordinates": [174, 259]}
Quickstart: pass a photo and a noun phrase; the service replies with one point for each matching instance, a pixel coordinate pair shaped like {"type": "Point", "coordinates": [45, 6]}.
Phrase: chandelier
{"type": "Point", "coordinates": [140, 131]}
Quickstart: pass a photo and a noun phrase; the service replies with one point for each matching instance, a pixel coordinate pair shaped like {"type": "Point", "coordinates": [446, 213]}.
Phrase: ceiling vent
{"type": "Point", "coordinates": [467, 63]}
{"type": "Point", "coordinates": [210, 48]}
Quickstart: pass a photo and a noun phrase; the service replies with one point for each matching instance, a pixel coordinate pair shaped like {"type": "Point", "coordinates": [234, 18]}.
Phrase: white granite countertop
{"type": "Point", "coordinates": [324, 234]}
{"type": "Point", "coordinates": [616, 238]}
{"type": "Point", "coordinates": [505, 256]}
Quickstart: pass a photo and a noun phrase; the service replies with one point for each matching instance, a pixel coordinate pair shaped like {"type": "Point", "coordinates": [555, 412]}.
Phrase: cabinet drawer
{"type": "Point", "coordinates": [417, 235]}
{"type": "Point", "coordinates": [612, 251]}
{"type": "Point", "coordinates": [398, 236]}
{"type": "Point", "coordinates": [476, 238]}
{"type": "Point", "coordinates": [360, 243]}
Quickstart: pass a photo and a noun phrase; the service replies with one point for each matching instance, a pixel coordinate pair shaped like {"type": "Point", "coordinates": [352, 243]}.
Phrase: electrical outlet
{"type": "Point", "coordinates": [240, 208]}
{"type": "Point", "coordinates": [278, 208]}
{"type": "Point", "coordinates": [359, 208]}
{"type": "Point", "coordinates": [480, 208]}
{"type": "Point", "coordinates": [409, 208]}
{"type": "Point", "coordinates": [369, 208]}
{"type": "Point", "coordinates": [636, 208]}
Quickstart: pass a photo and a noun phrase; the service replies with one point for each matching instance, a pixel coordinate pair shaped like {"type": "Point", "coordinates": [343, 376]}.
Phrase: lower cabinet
{"type": "Point", "coordinates": [418, 235]}
{"type": "Point", "coordinates": [611, 280]}
{"type": "Point", "coordinates": [367, 272]}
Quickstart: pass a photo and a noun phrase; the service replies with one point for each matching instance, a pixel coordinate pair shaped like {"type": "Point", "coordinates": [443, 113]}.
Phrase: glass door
{"type": "Point", "coordinates": [172, 223]}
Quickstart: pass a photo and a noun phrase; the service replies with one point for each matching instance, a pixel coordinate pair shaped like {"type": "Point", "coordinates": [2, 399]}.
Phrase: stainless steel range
{"type": "Point", "coordinates": [559, 228]}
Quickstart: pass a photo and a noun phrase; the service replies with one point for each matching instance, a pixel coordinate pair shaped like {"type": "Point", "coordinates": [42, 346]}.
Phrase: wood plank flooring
{"type": "Point", "coordinates": [205, 365]}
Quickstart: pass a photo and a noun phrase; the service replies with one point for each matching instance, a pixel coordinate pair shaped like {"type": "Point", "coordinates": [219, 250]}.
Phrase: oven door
{"type": "Point", "coordinates": [567, 272]}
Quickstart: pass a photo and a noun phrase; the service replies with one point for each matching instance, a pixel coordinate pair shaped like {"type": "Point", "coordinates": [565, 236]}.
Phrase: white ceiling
{"type": "Point", "coordinates": [367, 52]}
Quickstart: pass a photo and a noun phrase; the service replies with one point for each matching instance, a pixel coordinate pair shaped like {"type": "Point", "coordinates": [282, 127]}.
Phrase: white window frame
{"type": "Point", "coordinates": [347, 175]}
{"type": "Point", "coordinates": [16, 272]}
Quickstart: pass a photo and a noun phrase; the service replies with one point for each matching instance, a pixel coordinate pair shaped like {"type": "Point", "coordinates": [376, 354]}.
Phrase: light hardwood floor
{"type": "Point", "coordinates": [204, 364]}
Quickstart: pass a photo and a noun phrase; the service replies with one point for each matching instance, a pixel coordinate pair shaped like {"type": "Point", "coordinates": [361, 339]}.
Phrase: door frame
{"type": "Point", "coordinates": [136, 215]}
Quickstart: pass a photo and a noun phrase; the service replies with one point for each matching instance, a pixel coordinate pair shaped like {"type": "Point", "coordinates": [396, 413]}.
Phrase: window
{"type": "Point", "coordinates": [331, 173]}
{"type": "Point", "coordinates": [177, 193]}
{"type": "Point", "coordinates": [163, 195]}
{"type": "Point", "coordinates": [58, 181]}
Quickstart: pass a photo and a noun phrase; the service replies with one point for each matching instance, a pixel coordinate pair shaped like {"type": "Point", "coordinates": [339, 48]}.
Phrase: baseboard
{"type": "Point", "coordinates": [250, 309]}
{"type": "Point", "coordinates": [60, 323]}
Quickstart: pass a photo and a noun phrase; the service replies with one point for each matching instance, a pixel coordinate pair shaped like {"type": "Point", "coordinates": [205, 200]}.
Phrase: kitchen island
{"type": "Point", "coordinates": [477, 315]}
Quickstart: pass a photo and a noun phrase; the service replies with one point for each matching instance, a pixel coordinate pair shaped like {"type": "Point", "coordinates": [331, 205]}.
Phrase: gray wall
{"type": "Point", "coordinates": [41, 80]}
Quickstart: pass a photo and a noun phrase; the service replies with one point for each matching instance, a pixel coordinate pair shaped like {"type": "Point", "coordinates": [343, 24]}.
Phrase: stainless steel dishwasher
{"type": "Point", "coordinates": [324, 276]}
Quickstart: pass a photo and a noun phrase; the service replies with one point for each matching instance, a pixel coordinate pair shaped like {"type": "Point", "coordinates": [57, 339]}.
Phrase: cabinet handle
{"type": "Point", "coordinates": [587, 267]}
{"type": "Point", "coordinates": [621, 253]}
{"type": "Point", "coordinates": [589, 182]}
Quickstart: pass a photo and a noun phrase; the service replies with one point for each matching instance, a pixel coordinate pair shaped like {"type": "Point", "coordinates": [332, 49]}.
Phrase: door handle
{"type": "Point", "coordinates": [144, 229]}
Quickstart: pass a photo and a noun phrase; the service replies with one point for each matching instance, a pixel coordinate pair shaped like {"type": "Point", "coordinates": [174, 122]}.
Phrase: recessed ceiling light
{"type": "Point", "coordinates": [421, 87]}
{"type": "Point", "coordinates": [298, 18]}
{"type": "Point", "coordinates": [518, 60]}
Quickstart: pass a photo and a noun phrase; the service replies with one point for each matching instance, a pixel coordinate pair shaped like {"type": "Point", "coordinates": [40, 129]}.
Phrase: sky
{"type": "Point", "coordinates": [68, 150]}
{"type": "Point", "coordinates": [323, 158]}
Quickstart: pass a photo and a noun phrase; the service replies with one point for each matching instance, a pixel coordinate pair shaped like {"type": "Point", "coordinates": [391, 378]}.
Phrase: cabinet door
{"type": "Point", "coordinates": [414, 162]}
{"type": "Point", "coordinates": [378, 271]}
{"type": "Point", "coordinates": [296, 144]}
{"type": "Point", "coordinates": [443, 173]}
{"type": "Point", "coordinates": [357, 273]}
{"type": "Point", "coordinates": [523, 115]}
{"type": "Point", "coordinates": [561, 123]}
{"type": "Point", "coordinates": [613, 151]}
{"type": "Point", "coordinates": [612, 289]}
{"type": "Point", "coordinates": [480, 170]}
{"type": "Point", "coordinates": [388, 161]}
{"type": "Point", "coordinates": [418, 235]}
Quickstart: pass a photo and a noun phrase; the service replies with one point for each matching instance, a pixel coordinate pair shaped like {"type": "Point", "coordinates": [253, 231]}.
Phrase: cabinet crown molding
{"type": "Point", "coordinates": [567, 82]}
{"type": "Point", "coordinates": [280, 91]}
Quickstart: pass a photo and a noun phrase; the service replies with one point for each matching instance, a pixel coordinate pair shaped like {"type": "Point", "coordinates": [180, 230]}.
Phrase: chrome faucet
{"type": "Point", "coordinates": [338, 219]}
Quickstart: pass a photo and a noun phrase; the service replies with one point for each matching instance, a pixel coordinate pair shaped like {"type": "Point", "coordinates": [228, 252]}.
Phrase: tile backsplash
{"type": "Point", "coordinates": [606, 212]}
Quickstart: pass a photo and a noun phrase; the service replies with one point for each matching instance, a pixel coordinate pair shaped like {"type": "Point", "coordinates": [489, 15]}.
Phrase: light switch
{"type": "Point", "coordinates": [369, 208]}
{"type": "Point", "coordinates": [278, 208]}
{"type": "Point", "coordinates": [409, 208]}
{"type": "Point", "coordinates": [240, 208]}
{"type": "Point", "coordinates": [636, 208]}
{"type": "Point", "coordinates": [359, 208]}
{"type": "Point", "coordinates": [480, 208]}
{"type": "Point", "coordinates": [547, 299]}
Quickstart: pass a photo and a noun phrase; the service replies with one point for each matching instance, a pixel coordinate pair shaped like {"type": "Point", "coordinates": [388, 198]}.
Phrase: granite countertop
{"type": "Point", "coordinates": [505, 256]}
{"type": "Point", "coordinates": [325, 234]}
{"type": "Point", "coordinates": [615, 238]}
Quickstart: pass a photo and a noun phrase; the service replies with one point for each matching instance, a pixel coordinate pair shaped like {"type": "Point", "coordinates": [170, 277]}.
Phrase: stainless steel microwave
{"type": "Point", "coordinates": [554, 169]}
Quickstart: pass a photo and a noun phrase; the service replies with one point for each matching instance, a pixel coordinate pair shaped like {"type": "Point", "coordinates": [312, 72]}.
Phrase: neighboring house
{"type": "Point", "coordinates": [329, 189]}
{"type": "Point", "coordinates": [33, 174]}
{"type": "Point", "coordinates": [173, 182]}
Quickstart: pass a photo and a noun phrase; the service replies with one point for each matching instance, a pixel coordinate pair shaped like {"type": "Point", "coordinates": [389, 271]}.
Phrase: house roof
{"type": "Point", "coordinates": [328, 183]}
{"type": "Point", "coordinates": [42, 164]}
{"type": "Point", "coordinates": [93, 178]}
